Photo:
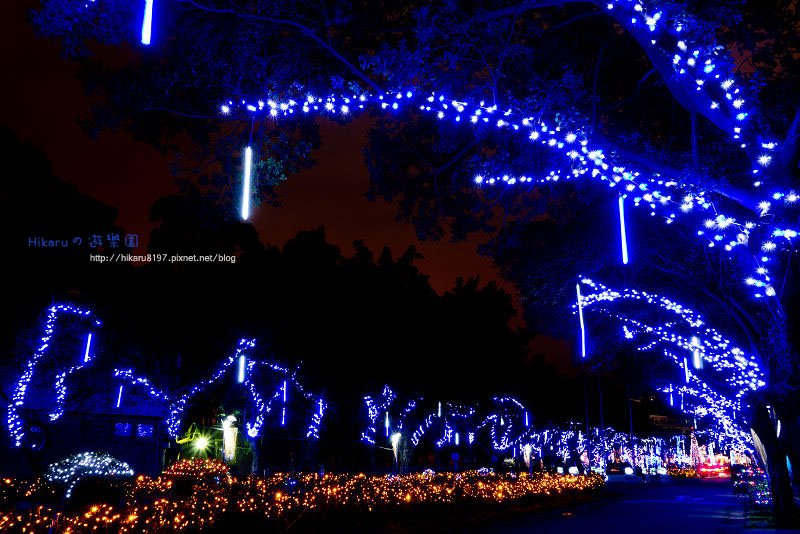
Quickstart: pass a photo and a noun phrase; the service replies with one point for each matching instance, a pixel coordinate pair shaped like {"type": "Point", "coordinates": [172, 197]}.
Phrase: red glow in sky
{"type": "Point", "coordinates": [45, 103]}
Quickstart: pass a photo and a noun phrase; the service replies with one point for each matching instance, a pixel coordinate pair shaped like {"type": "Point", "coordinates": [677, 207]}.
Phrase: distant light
{"type": "Point", "coordinates": [628, 470]}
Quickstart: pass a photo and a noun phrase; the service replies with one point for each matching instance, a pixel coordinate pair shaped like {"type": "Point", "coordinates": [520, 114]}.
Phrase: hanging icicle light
{"type": "Point", "coordinates": [580, 316]}
{"type": "Point", "coordinates": [622, 234]}
{"type": "Point", "coordinates": [248, 163]}
{"type": "Point", "coordinates": [147, 22]}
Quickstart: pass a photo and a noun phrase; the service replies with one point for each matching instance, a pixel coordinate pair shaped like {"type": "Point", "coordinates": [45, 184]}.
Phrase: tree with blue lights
{"type": "Point", "coordinates": [480, 116]}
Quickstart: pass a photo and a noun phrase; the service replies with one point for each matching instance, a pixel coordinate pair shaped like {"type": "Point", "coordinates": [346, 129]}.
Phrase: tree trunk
{"type": "Point", "coordinates": [784, 508]}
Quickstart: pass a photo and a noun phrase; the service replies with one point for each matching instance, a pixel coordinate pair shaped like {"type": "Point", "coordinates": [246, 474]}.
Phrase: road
{"type": "Point", "coordinates": [669, 507]}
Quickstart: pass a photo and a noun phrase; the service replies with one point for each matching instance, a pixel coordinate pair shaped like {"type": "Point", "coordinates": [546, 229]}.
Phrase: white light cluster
{"type": "Point", "coordinates": [86, 464]}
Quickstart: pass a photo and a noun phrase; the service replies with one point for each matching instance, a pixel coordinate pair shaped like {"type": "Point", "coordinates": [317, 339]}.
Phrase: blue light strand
{"type": "Point", "coordinates": [741, 372]}
{"type": "Point", "coordinates": [734, 368]}
{"type": "Point", "coordinates": [13, 420]}
{"type": "Point", "coordinates": [60, 385]}
{"type": "Point", "coordinates": [652, 191]}
{"type": "Point", "coordinates": [374, 408]}
{"type": "Point", "coordinates": [699, 67]}
{"type": "Point", "coordinates": [127, 376]}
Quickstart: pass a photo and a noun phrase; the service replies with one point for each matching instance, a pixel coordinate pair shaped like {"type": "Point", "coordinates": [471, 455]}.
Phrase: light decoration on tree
{"type": "Point", "coordinates": [506, 423]}
{"type": "Point", "coordinates": [316, 420]}
{"type": "Point", "coordinates": [177, 408]}
{"type": "Point", "coordinates": [450, 418]}
{"type": "Point", "coordinates": [703, 69]}
{"type": "Point", "coordinates": [374, 409]}
{"type": "Point", "coordinates": [147, 22]}
{"type": "Point", "coordinates": [127, 376]}
{"type": "Point", "coordinates": [13, 419]}
{"type": "Point", "coordinates": [61, 387]}
{"type": "Point", "coordinates": [73, 469]}
{"type": "Point", "coordinates": [253, 385]}
{"type": "Point", "coordinates": [672, 196]}
{"type": "Point", "coordinates": [685, 332]}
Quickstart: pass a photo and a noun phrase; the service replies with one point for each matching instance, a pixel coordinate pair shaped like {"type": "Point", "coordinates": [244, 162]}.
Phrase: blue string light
{"type": "Point", "coordinates": [659, 194]}
{"type": "Point", "coordinates": [13, 419]}
{"type": "Point", "coordinates": [728, 364]}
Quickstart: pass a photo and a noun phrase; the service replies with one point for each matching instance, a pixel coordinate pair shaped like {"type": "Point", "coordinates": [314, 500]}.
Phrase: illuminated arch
{"type": "Point", "coordinates": [696, 349]}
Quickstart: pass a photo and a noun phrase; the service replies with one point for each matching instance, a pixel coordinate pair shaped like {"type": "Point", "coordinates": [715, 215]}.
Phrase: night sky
{"type": "Point", "coordinates": [46, 101]}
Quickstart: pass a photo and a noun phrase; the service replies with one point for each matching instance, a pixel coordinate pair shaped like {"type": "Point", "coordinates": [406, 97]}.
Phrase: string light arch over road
{"type": "Point", "coordinates": [696, 349]}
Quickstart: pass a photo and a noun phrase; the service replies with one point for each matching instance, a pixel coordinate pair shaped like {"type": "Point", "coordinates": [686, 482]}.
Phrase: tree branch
{"type": "Point", "coordinates": [296, 25]}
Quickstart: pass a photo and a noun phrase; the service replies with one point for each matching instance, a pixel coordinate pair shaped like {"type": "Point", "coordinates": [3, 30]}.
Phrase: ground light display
{"type": "Point", "coordinates": [212, 325]}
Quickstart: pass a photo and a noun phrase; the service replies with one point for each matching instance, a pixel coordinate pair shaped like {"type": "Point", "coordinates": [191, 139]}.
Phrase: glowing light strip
{"type": "Point", "coordinates": [248, 162]}
{"type": "Point", "coordinates": [119, 395]}
{"type": "Point", "coordinates": [88, 345]}
{"type": "Point", "coordinates": [147, 22]}
{"type": "Point", "coordinates": [580, 316]}
{"type": "Point", "coordinates": [240, 374]}
{"type": "Point", "coordinates": [622, 234]}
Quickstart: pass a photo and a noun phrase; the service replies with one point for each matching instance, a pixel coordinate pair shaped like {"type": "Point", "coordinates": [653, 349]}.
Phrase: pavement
{"type": "Point", "coordinates": [669, 506]}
